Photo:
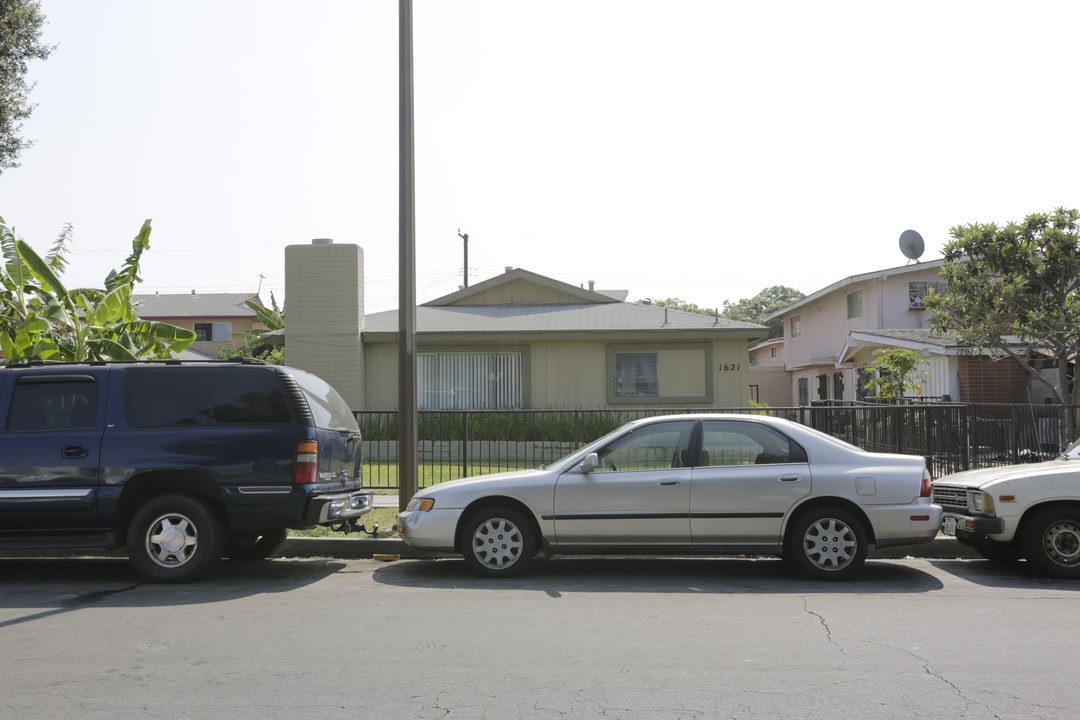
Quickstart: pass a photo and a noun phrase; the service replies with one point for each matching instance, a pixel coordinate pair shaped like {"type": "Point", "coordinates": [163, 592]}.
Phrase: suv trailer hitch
{"type": "Point", "coordinates": [350, 526]}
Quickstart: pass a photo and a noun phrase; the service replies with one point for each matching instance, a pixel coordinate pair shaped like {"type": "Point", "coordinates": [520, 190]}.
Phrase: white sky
{"type": "Point", "coordinates": [674, 148]}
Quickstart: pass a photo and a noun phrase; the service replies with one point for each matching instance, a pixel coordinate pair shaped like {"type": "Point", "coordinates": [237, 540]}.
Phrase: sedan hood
{"type": "Point", "coordinates": [505, 482]}
{"type": "Point", "coordinates": [986, 476]}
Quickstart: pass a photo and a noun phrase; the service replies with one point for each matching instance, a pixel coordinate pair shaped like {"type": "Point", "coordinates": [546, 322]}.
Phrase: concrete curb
{"type": "Point", "coordinates": [943, 548]}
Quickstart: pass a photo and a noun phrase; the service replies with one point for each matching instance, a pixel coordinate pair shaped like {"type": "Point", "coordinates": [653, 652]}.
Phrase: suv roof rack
{"type": "Point", "coordinates": [237, 360]}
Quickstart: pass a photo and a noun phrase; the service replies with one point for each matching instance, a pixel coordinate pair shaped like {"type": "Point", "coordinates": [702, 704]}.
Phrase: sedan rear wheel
{"type": "Point", "coordinates": [1050, 541]}
{"type": "Point", "coordinates": [498, 542]}
{"type": "Point", "coordinates": [827, 543]}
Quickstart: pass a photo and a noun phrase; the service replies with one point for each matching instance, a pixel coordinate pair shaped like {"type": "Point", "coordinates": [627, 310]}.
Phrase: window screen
{"type": "Point", "coordinates": [636, 374]}
{"type": "Point", "coordinates": [469, 381]}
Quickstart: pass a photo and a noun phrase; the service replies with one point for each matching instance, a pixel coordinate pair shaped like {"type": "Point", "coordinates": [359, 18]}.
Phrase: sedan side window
{"type": "Point", "coordinates": [653, 447]}
{"type": "Point", "coordinates": [731, 442]}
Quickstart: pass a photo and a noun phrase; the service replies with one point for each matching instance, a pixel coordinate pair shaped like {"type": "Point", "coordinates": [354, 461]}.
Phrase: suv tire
{"type": "Point", "coordinates": [174, 538]}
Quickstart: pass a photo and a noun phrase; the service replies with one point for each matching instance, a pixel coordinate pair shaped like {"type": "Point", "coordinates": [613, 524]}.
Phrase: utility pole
{"type": "Point", "coordinates": [465, 237]}
{"type": "Point", "coordinates": [408, 455]}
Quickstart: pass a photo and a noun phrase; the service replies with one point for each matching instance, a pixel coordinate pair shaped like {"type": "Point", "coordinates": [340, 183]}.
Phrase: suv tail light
{"type": "Point", "coordinates": [306, 467]}
{"type": "Point", "coordinates": [926, 485]}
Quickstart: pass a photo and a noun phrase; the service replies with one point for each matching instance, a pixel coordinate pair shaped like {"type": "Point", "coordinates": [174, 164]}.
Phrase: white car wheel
{"type": "Point", "coordinates": [826, 543]}
{"type": "Point", "coordinates": [1050, 540]}
{"type": "Point", "coordinates": [499, 541]}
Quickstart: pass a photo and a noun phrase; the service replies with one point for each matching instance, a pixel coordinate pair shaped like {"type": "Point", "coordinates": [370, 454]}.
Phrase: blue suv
{"type": "Point", "coordinates": [180, 462]}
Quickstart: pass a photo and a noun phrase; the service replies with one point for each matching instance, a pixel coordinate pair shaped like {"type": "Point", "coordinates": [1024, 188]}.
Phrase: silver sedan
{"type": "Point", "coordinates": [686, 484]}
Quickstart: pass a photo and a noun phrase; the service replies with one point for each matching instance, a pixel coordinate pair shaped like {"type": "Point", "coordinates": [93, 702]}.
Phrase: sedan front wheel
{"type": "Point", "coordinates": [827, 543]}
{"type": "Point", "coordinates": [498, 542]}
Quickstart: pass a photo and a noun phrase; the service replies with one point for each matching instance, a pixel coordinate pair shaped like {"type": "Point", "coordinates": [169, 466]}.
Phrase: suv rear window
{"type": "Point", "coordinates": [165, 396]}
{"type": "Point", "coordinates": [328, 408]}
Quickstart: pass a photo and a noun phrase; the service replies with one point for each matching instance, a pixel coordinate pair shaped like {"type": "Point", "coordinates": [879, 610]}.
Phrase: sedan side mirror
{"type": "Point", "coordinates": [590, 463]}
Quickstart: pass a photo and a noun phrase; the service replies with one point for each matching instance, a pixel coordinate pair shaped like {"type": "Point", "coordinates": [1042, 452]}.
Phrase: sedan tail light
{"type": "Point", "coordinates": [306, 467]}
{"type": "Point", "coordinates": [924, 491]}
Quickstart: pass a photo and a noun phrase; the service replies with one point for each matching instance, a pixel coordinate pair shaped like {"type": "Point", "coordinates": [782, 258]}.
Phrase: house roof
{"type": "Point", "coordinates": [194, 304]}
{"type": "Point", "coordinates": [927, 342]}
{"type": "Point", "coordinates": [523, 302]}
{"type": "Point", "coordinates": [854, 280]}
{"type": "Point", "coordinates": [597, 318]}
{"type": "Point", "coordinates": [546, 291]}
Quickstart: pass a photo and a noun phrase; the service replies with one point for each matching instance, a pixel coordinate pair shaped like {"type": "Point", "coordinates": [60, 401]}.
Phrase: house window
{"type": "Point", "coordinates": [854, 304]}
{"type": "Point", "coordinates": [838, 386]}
{"type": "Point", "coordinates": [772, 353]}
{"type": "Point", "coordinates": [636, 374]}
{"type": "Point", "coordinates": [796, 326]}
{"type": "Point", "coordinates": [214, 332]}
{"type": "Point", "coordinates": [804, 391]}
{"type": "Point", "coordinates": [823, 387]}
{"type": "Point", "coordinates": [470, 381]}
{"type": "Point", "coordinates": [917, 292]}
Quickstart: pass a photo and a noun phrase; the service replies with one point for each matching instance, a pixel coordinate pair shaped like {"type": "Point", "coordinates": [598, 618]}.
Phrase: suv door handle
{"type": "Point", "coordinates": [75, 451]}
{"type": "Point", "coordinates": [670, 481]}
{"type": "Point", "coordinates": [790, 478]}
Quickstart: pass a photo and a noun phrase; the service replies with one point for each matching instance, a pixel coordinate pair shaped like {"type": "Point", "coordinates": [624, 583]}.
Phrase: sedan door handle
{"type": "Point", "coordinates": [669, 481]}
{"type": "Point", "coordinates": [790, 478]}
{"type": "Point", "coordinates": [75, 451]}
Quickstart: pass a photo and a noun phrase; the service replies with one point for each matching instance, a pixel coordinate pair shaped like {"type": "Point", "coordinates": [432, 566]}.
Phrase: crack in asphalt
{"type": "Point", "coordinates": [824, 624]}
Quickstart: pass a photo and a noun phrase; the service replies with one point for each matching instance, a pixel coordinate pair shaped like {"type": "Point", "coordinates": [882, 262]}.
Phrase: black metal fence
{"type": "Point", "coordinates": [952, 437]}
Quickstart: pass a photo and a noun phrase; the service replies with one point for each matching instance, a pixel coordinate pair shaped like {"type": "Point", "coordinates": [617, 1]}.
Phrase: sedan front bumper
{"type": "Point", "coordinates": [958, 525]}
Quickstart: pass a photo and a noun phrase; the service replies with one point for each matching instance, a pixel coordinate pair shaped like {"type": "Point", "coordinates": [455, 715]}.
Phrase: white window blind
{"type": "Point", "coordinates": [469, 381]}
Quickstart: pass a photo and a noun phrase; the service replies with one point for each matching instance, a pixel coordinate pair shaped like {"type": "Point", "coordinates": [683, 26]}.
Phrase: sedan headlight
{"type": "Point", "coordinates": [982, 503]}
{"type": "Point", "coordinates": [423, 504]}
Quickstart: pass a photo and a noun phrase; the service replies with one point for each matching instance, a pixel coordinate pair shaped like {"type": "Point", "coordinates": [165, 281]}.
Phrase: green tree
{"type": "Point", "coordinates": [1021, 281]}
{"type": "Point", "coordinates": [765, 303]}
{"type": "Point", "coordinates": [40, 319]}
{"type": "Point", "coordinates": [20, 42]}
{"type": "Point", "coordinates": [898, 373]}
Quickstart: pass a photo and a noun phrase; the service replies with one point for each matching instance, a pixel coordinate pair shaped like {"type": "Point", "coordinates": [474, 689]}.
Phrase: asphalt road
{"type": "Point", "coordinates": [578, 638]}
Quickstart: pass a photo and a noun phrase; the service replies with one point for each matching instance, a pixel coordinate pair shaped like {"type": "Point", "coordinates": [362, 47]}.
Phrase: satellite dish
{"type": "Point", "coordinates": [911, 244]}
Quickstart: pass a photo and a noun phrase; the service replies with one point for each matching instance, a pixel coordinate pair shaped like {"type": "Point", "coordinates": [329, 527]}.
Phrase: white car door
{"type": "Point", "coordinates": [640, 494]}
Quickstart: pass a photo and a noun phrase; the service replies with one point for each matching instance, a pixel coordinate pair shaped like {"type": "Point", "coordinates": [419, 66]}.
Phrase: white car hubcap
{"type": "Point", "coordinates": [830, 544]}
{"type": "Point", "coordinates": [497, 543]}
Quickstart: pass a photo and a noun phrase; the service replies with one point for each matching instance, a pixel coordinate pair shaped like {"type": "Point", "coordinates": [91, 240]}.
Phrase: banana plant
{"type": "Point", "coordinates": [41, 319]}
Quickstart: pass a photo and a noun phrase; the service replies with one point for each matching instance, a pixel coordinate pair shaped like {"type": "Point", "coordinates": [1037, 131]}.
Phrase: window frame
{"type": "Point", "coordinates": [855, 304]}
{"type": "Point", "coordinates": [658, 349]}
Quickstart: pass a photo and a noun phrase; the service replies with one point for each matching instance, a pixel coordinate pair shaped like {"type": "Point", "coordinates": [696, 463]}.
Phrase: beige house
{"type": "Point", "coordinates": [518, 340]}
{"type": "Point", "coordinates": [824, 352]}
{"type": "Point", "coordinates": [220, 320]}
{"type": "Point", "coordinates": [831, 337]}
{"type": "Point", "coordinates": [770, 382]}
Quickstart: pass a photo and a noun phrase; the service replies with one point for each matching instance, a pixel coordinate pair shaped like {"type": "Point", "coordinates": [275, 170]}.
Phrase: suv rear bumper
{"type": "Point", "coordinates": [326, 509]}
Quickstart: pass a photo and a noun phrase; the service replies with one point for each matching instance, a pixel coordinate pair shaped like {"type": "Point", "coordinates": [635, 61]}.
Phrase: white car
{"type": "Point", "coordinates": [686, 484]}
{"type": "Point", "coordinates": [1030, 511]}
